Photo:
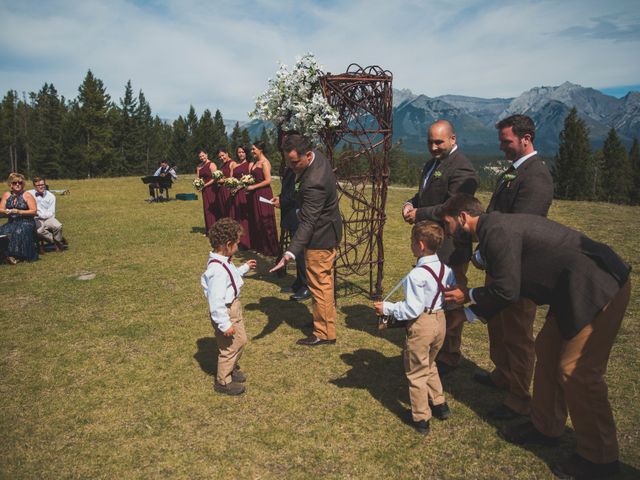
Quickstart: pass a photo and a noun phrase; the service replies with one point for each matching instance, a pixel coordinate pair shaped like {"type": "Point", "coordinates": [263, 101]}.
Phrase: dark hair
{"type": "Point", "coordinates": [296, 142]}
{"type": "Point", "coordinates": [259, 144]}
{"type": "Point", "coordinates": [197, 150]}
{"type": "Point", "coordinates": [224, 230]}
{"type": "Point", "coordinates": [521, 125]}
{"type": "Point", "coordinates": [430, 233]}
{"type": "Point", "coordinates": [222, 150]}
{"type": "Point", "coordinates": [38, 179]}
{"type": "Point", "coordinates": [247, 153]}
{"type": "Point", "coordinates": [461, 202]}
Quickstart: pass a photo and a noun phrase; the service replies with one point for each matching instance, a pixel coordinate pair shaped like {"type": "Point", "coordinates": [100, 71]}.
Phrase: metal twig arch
{"type": "Point", "coordinates": [359, 152]}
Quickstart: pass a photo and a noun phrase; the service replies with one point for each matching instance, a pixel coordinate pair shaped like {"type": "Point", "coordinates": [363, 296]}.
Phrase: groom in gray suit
{"type": "Point", "coordinates": [587, 287]}
{"type": "Point", "coordinates": [318, 234]}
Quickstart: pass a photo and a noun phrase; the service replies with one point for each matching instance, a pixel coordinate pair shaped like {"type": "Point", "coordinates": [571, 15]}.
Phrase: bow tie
{"type": "Point", "coordinates": [38, 194]}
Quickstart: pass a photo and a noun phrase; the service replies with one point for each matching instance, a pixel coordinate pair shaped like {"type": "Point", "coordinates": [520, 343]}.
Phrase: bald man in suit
{"type": "Point", "coordinates": [587, 287]}
{"type": "Point", "coordinates": [447, 172]}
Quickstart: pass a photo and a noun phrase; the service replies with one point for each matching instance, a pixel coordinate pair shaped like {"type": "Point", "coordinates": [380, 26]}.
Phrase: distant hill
{"type": "Point", "coordinates": [475, 118]}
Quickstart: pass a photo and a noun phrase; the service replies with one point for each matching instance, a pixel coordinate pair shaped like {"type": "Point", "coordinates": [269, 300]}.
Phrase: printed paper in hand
{"type": "Point", "coordinates": [265, 200]}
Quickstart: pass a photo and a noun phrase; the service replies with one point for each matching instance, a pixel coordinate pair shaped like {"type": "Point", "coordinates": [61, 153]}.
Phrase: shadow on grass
{"type": "Point", "coordinates": [207, 355]}
{"type": "Point", "coordinates": [382, 376]}
{"type": "Point", "coordinates": [279, 311]}
{"type": "Point", "coordinates": [363, 318]}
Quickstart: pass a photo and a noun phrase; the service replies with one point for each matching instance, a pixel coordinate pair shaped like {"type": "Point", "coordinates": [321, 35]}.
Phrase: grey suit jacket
{"type": "Point", "coordinates": [530, 192]}
{"type": "Point", "coordinates": [533, 257]}
{"type": "Point", "coordinates": [454, 175]}
{"type": "Point", "coordinates": [320, 223]}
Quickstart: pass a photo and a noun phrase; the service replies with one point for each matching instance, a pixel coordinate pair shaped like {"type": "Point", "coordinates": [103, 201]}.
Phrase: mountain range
{"type": "Point", "coordinates": [475, 118]}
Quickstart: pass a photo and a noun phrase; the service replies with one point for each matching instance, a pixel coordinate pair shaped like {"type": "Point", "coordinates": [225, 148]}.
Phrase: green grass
{"type": "Point", "coordinates": [112, 377]}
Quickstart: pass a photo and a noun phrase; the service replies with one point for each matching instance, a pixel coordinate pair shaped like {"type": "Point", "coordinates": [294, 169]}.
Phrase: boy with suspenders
{"type": "Point", "coordinates": [426, 326]}
{"type": "Point", "coordinates": [221, 283]}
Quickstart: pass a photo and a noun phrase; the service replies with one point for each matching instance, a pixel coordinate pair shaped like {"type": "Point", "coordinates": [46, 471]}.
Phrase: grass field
{"type": "Point", "coordinates": [112, 377]}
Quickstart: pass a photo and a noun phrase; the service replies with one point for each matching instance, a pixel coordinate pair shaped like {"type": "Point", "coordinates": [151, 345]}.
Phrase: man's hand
{"type": "Point", "coordinates": [283, 261]}
{"type": "Point", "coordinates": [230, 331]}
{"type": "Point", "coordinates": [252, 264]}
{"type": "Point", "coordinates": [457, 294]}
{"type": "Point", "coordinates": [409, 213]}
{"type": "Point", "coordinates": [379, 307]}
{"type": "Point", "coordinates": [276, 201]}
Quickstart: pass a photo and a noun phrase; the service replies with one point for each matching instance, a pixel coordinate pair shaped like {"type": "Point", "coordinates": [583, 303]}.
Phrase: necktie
{"type": "Point", "coordinates": [429, 174]}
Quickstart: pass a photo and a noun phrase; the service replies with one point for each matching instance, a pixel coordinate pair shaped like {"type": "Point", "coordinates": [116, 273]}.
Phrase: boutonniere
{"type": "Point", "coordinates": [296, 188]}
{"type": "Point", "coordinates": [509, 177]}
{"type": "Point", "coordinates": [437, 174]}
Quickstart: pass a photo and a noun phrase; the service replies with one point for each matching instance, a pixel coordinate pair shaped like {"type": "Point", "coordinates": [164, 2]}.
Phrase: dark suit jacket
{"type": "Point", "coordinates": [533, 257]}
{"type": "Point", "coordinates": [530, 192]}
{"type": "Point", "coordinates": [288, 216]}
{"type": "Point", "coordinates": [456, 175]}
{"type": "Point", "coordinates": [320, 226]}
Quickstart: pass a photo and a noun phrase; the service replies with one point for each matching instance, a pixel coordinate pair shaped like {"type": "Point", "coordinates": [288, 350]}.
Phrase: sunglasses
{"type": "Point", "coordinates": [17, 183]}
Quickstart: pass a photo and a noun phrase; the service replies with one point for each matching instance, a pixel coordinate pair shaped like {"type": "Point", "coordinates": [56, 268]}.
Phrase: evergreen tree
{"type": "Point", "coordinates": [573, 171]}
{"type": "Point", "coordinates": [617, 178]}
{"type": "Point", "coordinates": [634, 160]}
{"type": "Point", "coordinates": [245, 138]}
{"type": "Point", "coordinates": [220, 139]}
{"type": "Point", "coordinates": [126, 135]}
{"type": "Point", "coordinates": [95, 123]}
{"type": "Point", "coordinates": [9, 161]}
{"type": "Point", "coordinates": [146, 137]}
{"type": "Point", "coordinates": [235, 140]}
{"type": "Point", "coordinates": [73, 144]}
{"type": "Point", "coordinates": [206, 134]}
{"type": "Point", "coordinates": [46, 132]}
{"type": "Point", "coordinates": [180, 150]}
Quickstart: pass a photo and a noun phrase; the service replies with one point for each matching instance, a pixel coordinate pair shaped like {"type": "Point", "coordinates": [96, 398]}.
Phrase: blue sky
{"type": "Point", "coordinates": [219, 54]}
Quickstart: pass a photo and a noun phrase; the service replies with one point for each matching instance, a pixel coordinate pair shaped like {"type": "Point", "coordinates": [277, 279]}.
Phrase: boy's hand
{"type": "Point", "coordinates": [252, 264]}
{"type": "Point", "coordinates": [379, 307]}
{"type": "Point", "coordinates": [457, 294]}
{"type": "Point", "coordinates": [230, 331]}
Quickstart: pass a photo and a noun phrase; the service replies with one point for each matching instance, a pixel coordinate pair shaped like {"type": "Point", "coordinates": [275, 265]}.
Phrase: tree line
{"type": "Point", "coordinates": [42, 133]}
{"type": "Point", "coordinates": [609, 174]}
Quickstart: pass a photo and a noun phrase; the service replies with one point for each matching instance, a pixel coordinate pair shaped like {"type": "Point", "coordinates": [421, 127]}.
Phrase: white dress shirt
{"type": "Point", "coordinates": [171, 171]}
{"type": "Point", "coordinates": [419, 290]}
{"type": "Point", "coordinates": [521, 160]}
{"type": "Point", "coordinates": [218, 288]}
{"type": "Point", "coordinates": [46, 204]}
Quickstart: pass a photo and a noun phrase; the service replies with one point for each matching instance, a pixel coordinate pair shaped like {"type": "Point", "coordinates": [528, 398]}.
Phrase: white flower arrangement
{"type": "Point", "coordinates": [217, 175]}
{"type": "Point", "coordinates": [198, 183]}
{"type": "Point", "coordinates": [294, 100]}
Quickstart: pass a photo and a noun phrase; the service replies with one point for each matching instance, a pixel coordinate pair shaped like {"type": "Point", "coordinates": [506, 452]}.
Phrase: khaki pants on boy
{"type": "Point", "coordinates": [450, 353]}
{"type": "Point", "coordinates": [231, 348]}
{"type": "Point", "coordinates": [320, 270]}
{"type": "Point", "coordinates": [569, 375]}
{"type": "Point", "coordinates": [425, 336]}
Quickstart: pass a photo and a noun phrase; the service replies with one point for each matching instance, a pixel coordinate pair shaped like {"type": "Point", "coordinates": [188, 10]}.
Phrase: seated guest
{"type": "Point", "coordinates": [163, 171]}
{"type": "Point", "coordinates": [21, 209]}
{"type": "Point", "coordinates": [47, 226]}
{"type": "Point", "coordinates": [423, 310]}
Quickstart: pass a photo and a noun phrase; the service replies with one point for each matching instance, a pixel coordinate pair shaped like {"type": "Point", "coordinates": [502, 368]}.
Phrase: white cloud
{"type": "Point", "coordinates": [220, 54]}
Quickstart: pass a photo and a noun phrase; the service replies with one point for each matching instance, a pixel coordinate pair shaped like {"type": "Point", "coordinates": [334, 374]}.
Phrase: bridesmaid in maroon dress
{"type": "Point", "coordinates": [240, 208]}
{"type": "Point", "coordinates": [204, 171]}
{"type": "Point", "coordinates": [224, 199]}
{"type": "Point", "coordinates": [264, 235]}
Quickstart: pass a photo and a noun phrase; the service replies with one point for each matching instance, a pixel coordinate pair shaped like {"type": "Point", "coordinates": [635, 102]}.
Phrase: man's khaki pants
{"type": "Point", "coordinates": [231, 348]}
{"type": "Point", "coordinates": [569, 375]}
{"type": "Point", "coordinates": [425, 336]}
{"type": "Point", "coordinates": [50, 229]}
{"type": "Point", "coordinates": [450, 352]}
{"type": "Point", "coordinates": [512, 351]}
{"type": "Point", "coordinates": [320, 280]}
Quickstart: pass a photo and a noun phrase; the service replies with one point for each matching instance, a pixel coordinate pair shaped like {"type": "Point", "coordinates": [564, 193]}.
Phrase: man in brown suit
{"type": "Point", "coordinates": [587, 287]}
{"type": "Point", "coordinates": [525, 187]}
{"type": "Point", "coordinates": [447, 173]}
{"type": "Point", "coordinates": [318, 234]}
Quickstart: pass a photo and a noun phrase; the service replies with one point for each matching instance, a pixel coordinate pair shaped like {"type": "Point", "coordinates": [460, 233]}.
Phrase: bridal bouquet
{"type": "Point", "coordinates": [294, 100]}
{"type": "Point", "coordinates": [217, 175]}
{"type": "Point", "coordinates": [247, 180]}
{"type": "Point", "coordinates": [198, 183]}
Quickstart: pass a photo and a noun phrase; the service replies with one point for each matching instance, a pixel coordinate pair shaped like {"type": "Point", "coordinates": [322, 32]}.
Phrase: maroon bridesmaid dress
{"type": "Point", "coordinates": [239, 207]}
{"type": "Point", "coordinates": [208, 198]}
{"type": "Point", "coordinates": [264, 234]}
{"type": "Point", "coordinates": [223, 195]}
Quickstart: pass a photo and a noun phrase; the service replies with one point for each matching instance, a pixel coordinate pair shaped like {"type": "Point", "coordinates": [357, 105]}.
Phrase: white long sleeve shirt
{"type": "Point", "coordinates": [46, 204]}
{"type": "Point", "coordinates": [171, 172]}
{"type": "Point", "coordinates": [419, 290]}
{"type": "Point", "coordinates": [218, 288]}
